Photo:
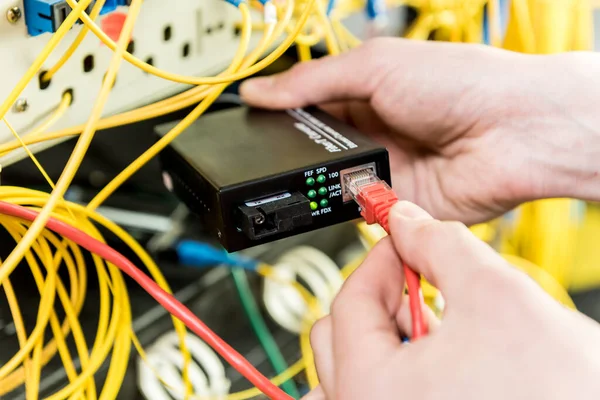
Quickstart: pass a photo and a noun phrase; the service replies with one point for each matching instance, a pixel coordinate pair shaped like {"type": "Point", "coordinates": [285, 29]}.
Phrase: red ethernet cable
{"type": "Point", "coordinates": [375, 199]}
{"type": "Point", "coordinates": [167, 300]}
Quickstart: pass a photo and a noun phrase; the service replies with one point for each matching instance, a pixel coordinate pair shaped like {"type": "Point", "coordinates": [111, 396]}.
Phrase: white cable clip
{"type": "Point", "coordinates": [206, 371]}
{"type": "Point", "coordinates": [270, 13]}
{"type": "Point", "coordinates": [322, 276]}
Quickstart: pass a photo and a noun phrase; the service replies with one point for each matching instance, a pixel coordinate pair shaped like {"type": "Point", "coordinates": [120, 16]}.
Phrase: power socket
{"type": "Point", "coordinates": [198, 39]}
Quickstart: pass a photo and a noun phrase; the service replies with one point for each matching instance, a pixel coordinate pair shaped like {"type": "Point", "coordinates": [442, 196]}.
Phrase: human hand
{"type": "Point", "coordinates": [501, 337]}
{"type": "Point", "coordinates": [472, 131]}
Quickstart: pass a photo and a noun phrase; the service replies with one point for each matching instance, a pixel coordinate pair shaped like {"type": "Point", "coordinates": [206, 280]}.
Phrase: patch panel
{"type": "Point", "coordinates": [187, 49]}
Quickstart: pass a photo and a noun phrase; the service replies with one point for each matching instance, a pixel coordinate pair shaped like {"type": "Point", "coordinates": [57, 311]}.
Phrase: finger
{"type": "Point", "coordinates": [337, 109]}
{"type": "Point", "coordinates": [321, 341]}
{"type": "Point", "coordinates": [316, 394]}
{"type": "Point", "coordinates": [446, 253]}
{"type": "Point", "coordinates": [359, 114]}
{"type": "Point", "coordinates": [363, 314]}
{"type": "Point", "coordinates": [352, 75]}
{"type": "Point", "coordinates": [404, 319]}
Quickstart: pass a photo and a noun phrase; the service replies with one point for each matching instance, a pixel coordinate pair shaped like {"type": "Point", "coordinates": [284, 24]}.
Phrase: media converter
{"type": "Point", "coordinates": [255, 176]}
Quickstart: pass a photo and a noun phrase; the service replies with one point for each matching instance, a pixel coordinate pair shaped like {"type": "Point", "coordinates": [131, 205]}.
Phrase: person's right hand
{"type": "Point", "coordinates": [472, 131]}
{"type": "Point", "coordinates": [501, 337]}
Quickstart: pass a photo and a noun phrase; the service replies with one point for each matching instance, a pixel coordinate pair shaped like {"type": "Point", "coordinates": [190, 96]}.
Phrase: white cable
{"type": "Point", "coordinates": [206, 371]}
{"type": "Point", "coordinates": [321, 276]}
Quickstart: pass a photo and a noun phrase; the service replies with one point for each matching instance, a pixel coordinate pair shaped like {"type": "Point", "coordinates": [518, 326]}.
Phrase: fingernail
{"type": "Point", "coordinates": [255, 86]}
{"type": "Point", "coordinates": [408, 210]}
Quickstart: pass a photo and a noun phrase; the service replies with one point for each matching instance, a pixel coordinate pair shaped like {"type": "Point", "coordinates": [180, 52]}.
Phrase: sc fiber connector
{"type": "Point", "coordinates": [45, 16]}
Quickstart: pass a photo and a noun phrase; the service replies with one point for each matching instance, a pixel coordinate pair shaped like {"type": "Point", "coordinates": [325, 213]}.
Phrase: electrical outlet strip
{"type": "Point", "coordinates": [191, 38]}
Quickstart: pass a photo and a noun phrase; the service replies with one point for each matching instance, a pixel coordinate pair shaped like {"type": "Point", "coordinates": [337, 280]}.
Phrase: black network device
{"type": "Point", "coordinates": [255, 176]}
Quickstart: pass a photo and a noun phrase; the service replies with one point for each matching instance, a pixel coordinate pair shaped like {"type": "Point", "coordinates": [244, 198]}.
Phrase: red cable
{"type": "Point", "coordinates": [170, 303]}
{"type": "Point", "coordinates": [376, 200]}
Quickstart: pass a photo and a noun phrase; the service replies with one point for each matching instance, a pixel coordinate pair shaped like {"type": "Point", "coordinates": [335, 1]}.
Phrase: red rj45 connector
{"type": "Point", "coordinates": [373, 195]}
{"type": "Point", "coordinates": [376, 198]}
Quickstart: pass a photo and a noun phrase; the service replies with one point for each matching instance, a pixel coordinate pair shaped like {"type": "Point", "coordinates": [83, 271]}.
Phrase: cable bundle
{"type": "Point", "coordinates": [51, 252]}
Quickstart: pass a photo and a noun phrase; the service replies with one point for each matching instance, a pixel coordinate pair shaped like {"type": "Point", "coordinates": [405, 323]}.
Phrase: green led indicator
{"type": "Point", "coordinates": [313, 205]}
{"type": "Point", "coordinates": [324, 203]}
{"type": "Point", "coordinates": [312, 194]}
{"type": "Point", "coordinates": [321, 178]}
{"type": "Point", "coordinates": [310, 181]}
{"type": "Point", "coordinates": [322, 191]}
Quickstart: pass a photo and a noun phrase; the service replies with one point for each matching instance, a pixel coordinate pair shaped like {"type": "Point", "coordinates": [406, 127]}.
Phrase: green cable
{"type": "Point", "coordinates": [261, 330]}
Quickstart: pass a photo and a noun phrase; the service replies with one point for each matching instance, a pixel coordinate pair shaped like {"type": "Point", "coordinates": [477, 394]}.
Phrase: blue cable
{"type": "Point", "coordinates": [330, 6]}
{"type": "Point", "coordinates": [235, 3]}
{"type": "Point", "coordinates": [486, 26]}
{"type": "Point", "coordinates": [198, 254]}
{"type": "Point", "coordinates": [375, 9]}
{"type": "Point", "coordinates": [503, 6]}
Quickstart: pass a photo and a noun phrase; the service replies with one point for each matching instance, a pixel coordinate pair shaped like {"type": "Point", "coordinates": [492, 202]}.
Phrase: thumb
{"type": "Point", "coordinates": [447, 254]}
{"type": "Point", "coordinates": [350, 76]}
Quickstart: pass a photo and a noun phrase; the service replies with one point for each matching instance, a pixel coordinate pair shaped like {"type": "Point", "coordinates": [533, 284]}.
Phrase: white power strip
{"type": "Point", "coordinates": [204, 29]}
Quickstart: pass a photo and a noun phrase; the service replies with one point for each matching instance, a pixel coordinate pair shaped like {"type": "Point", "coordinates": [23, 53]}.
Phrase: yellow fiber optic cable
{"type": "Point", "coordinates": [37, 226]}
{"type": "Point", "coordinates": [41, 354]}
{"type": "Point", "coordinates": [73, 319]}
{"type": "Point", "coordinates": [44, 254]}
{"type": "Point", "coordinates": [78, 295]}
{"type": "Point", "coordinates": [73, 47]}
{"type": "Point", "coordinates": [85, 139]}
{"type": "Point", "coordinates": [303, 52]}
{"type": "Point", "coordinates": [39, 61]}
{"type": "Point", "coordinates": [520, 21]}
{"type": "Point", "coordinates": [493, 17]}
{"type": "Point", "coordinates": [200, 80]}
{"type": "Point", "coordinates": [170, 136]}
{"type": "Point", "coordinates": [342, 31]}
{"type": "Point", "coordinates": [330, 40]}
{"type": "Point", "coordinates": [291, 372]}
{"type": "Point", "coordinates": [38, 199]}
{"type": "Point", "coordinates": [182, 125]}
{"type": "Point", "coordinates": [123, 325]}
{"type": "Point", "coordinates": [270, 30]}
{"type": "Point", "coordinates": [29, 153]}
{"type": "Point", "coordinates": [151, 111]}
{"type": "Point", "coordinates": [308, 357]}
{"type": "Point", "coordinates": [17, 317]}
{"type": "Point", "coordinates": [286, 375]}
{"type": "Point", "coordinates": [56, 115]}
{"type": "Point", "coordinates": [314, 313]}
{"type": "Point", "coordinates": [120, 341]}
